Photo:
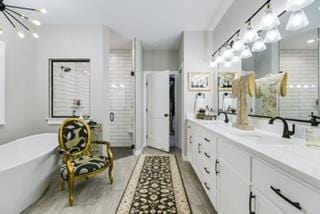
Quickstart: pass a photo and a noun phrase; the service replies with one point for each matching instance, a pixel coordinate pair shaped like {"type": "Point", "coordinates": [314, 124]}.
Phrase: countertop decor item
{"type": "Point", "coordinates": [16, 18]}
{"type": "Point", "coordinates": [267, 88]}
{"type": "Point", "coordinates": [164, 192]}
{"type": "Point", "coordinates": [241, 87]}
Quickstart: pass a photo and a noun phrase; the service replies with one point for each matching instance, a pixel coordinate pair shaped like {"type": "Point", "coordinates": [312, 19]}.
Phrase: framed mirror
{"type": "Point", "coordinates": [69, 88]}
{"type": "Point", "coordinates": [293, 62]}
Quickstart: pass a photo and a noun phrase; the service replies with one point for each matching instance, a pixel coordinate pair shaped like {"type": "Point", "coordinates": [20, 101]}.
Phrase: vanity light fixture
{"type": "Point", "coordinates": [220, 59]}
{"type": "Point", "coordinates": [238, 45]}
{"type": "Point", "coordinates": [228, 54]}
{"type": "Point", "coordinates": [16, 18]}
{"type": "Point", "coordinates": [295, 5]}
{"type": "Point", "coordinates": [227, 64]}
{"type": "Point", "coordinates": [250, 34]}
{"type": "Point", "coordinates": [297, 21]}
{"type": "Point", "coordinates": [246, 53]}
{"type": "Point", "coordinates": [272, 36]}
{"type": "Point", "coordinates": [236, 58]}
{"type": "Point", "coordinates": [213, 64]}
{"type": "Point", "coordinates": [259, 45]}
{"type": "Point", "coordinates": [270, 19]}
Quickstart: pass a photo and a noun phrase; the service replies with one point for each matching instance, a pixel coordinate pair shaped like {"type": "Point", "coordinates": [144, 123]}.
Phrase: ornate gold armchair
{"type": "Point", "coordinates": [78, 160]}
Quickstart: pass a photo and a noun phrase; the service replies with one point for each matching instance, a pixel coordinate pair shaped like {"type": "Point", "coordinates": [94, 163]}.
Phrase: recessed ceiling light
{"type": "Point", "coordinates": [310, 41]}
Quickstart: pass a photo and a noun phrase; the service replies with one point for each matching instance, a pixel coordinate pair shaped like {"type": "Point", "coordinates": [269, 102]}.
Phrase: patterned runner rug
{"type": "Point", "coordinates": [155, 187]}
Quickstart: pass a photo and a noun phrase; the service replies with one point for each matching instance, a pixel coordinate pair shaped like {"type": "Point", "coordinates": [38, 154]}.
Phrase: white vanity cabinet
{"type": "Point", "coordinates": [238, 180]}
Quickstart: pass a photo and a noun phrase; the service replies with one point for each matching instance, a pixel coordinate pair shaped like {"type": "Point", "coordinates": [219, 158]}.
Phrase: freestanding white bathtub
{"type": "Point", "coordinates": [26, 166]}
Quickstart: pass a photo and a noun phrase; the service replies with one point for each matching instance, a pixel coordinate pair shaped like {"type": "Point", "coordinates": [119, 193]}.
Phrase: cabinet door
{"type": "Point", "coordinates": [234, 192]}
{"type": "Point", "coordinates": [263, 205]}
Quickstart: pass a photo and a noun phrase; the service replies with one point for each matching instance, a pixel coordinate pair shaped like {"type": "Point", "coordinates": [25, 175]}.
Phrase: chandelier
{"type": "Point", "coordinates": [17, 19]}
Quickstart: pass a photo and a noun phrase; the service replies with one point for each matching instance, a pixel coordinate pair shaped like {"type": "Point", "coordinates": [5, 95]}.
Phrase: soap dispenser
{"type": "Point", "coordinates": [313, 132]}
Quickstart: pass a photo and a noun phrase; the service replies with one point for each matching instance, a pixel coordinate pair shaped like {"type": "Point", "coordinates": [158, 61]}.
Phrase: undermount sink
{"type": "Point", "coordinates": [262, 139]}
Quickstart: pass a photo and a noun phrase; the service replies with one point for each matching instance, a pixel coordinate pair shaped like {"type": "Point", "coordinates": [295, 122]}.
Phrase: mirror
{"type": "Point", "coordinates": [292, 62]}
{"type": "Point", "coordinates": [70, 88]}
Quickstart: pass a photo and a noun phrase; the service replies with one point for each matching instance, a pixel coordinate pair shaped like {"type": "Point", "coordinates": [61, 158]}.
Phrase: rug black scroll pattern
{"type": "Point", "coordinates": [154, 192]}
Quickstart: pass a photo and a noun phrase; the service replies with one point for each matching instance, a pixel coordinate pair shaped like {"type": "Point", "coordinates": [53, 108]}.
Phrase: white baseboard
{"type": "Point", "coordinates": [184, 157]}
{"type": "Point", "coordinates": [137, 152]}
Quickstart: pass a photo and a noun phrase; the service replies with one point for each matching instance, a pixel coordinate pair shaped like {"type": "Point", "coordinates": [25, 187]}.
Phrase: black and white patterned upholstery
{"type": "Point", "coordinates": [75, 136]}
{"type": "Point", "coordinates": [85, 165]}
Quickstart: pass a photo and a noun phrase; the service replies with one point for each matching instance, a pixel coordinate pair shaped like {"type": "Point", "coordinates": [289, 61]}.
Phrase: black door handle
{"type": "Point", "coordinates": [206, 170]}
{"type": "Point", "coordinates": [206, 185]}
{"type": "Point", "coordinates": [166, 115]}
{"type": "Point", "coordinates": [111, 116]}
{"type": "Point", "coordinates": [278, 192]}
{"type": "Point", "coordinates": [206, 154]}
{"type": "Point", "coordinates": [251, 196]}
{"type": "Point", "coordinates": [199, 145]}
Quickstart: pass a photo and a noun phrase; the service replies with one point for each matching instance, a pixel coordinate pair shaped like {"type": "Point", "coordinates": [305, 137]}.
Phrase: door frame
{"type": "Point", "coordinates": [177, 77]}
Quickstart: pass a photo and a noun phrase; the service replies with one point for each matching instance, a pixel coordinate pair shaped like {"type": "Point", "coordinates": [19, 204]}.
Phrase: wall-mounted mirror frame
{"type": "Point", "coordinates": [283, 16]}
{"type": "Point", "coordinates": [69, 88]}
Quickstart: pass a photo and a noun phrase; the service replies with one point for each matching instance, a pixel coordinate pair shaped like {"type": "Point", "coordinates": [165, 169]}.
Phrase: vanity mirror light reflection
{"type": "Point", "coordinates": [69, 88]}
{"type": "Point", "coordinates": [288, 70]}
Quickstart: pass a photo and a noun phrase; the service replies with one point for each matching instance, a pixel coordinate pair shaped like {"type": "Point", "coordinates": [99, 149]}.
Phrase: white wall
{"type": "Point", "coordinates": [20, 61]}
{"type": "Point", "coordinates": [158, 60]}
{"type": "Point", "coordinates": [196, 46]}
{"type": "Point", "coordinates": [73, 41]}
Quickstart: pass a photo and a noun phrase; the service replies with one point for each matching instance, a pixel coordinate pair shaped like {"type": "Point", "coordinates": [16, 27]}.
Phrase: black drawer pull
{"type": "Point", "coordinates": [206, 154]}
{"type": "Point", "coordinates": [206, 139]}
{"type": "Point", "coordinates": [216, 167]}
{"type": "Point", "coordinates": [206, 170]}
{"type": "Point", "coordinates": [199, 145]}
{"type": "Point", "coordinates": [206, 185]}
{"type": "Point", "coordinates": [251, 196]}
{"type": "Point", "coordinates": [278, 192]}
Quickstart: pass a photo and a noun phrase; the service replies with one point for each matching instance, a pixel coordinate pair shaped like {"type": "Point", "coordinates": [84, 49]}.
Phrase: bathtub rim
{"type": "Point", "coordinates": [34, 157]}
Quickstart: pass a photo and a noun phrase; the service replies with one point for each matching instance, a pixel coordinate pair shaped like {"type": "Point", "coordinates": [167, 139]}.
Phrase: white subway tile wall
{"type": "Point", "coordinates": [121, 97]}
{"type": "Point", "coordinates": [71, 85]}
{"type": "Point", "coordinates": [302, 68]}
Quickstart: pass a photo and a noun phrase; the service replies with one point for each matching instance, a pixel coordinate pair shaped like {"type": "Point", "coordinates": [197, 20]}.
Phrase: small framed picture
{"type": "Point", "coordinates": [199, 81]}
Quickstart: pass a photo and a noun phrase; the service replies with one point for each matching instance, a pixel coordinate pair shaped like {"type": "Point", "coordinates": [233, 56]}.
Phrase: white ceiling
{"type": "Point", "coordinates": [157, 23]}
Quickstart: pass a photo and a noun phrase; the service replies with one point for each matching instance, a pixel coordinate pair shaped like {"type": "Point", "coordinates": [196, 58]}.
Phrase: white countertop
{"type": "Point", "coordinates": [291, 155]}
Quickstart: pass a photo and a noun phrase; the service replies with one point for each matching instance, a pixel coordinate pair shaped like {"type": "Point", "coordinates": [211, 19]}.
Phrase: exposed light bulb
{"type": "Point", "coordinates": [36, 22]}
{"type": "Point", "coordinates": [297, 21]}
{"type": "Point", "coordinates": [295, 5]}
{"type": "Point", "coordinates": [35, 35]}
{"type": "Point", "coordinates": [270, 20]}
{"type": "Point", "coordinates": [272, 36]}
{"type": "Point", "coordinates": [246, 53]}
{"type": "Point", "coordinates": [250, 35]}
{"type": "Point", "coordinates": [311, 41]}
{"type": "Point", "coordinates": [220, 59]}
{"type": "Point", "coordinates": [20, 34]}
{"type": "Point", "coordinates": [42, 10]}
{"type": "Point", "coordinates": [213, 64]}
{"type": "Point", "coordinates": [228, 54]}
{"type": "Point", "coordinates": [238, 45]}
{"type": "Point", "coordinates": [259, 45]}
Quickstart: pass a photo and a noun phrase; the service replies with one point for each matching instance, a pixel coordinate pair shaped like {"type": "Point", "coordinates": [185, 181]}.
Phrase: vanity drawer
{"type": "Point", "coordinates": [235, 157]}
{"type": "Point", "coordinates": [289, 194]}
{"type": "Point", "coordinates": [209, 143]}
{"type": "Point", "coordinates": [210, 190]}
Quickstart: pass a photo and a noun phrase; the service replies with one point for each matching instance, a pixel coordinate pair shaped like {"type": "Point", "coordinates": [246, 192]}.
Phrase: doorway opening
{"type": "Point", "coordinates": [162, 89]}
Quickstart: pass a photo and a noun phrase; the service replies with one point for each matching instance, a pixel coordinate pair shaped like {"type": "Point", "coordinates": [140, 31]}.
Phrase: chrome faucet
{"type": "Point", "coordinates": [286, 133]}
{"type": "Point", "coordinates": [226, 119]}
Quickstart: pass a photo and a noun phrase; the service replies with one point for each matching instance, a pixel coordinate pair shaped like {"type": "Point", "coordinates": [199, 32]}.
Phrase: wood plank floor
{"type": "Point", "coordinates": [97, 196]}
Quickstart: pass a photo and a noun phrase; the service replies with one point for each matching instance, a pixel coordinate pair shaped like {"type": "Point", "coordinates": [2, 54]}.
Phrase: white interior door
{"type": "Point", "coordinates": [158, 110]}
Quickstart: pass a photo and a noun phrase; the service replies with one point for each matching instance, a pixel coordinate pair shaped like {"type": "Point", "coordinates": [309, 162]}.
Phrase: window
{"type": "Point", "coordinates": [69, 88]}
